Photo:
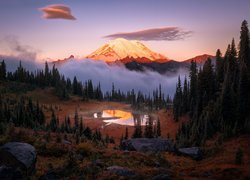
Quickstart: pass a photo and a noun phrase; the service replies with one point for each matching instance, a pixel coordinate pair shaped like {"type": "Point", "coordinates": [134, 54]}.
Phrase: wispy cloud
{"type": "Point", "coordinates": [154, 34]}
{"type": "Point", "coordinates": [57, 11]}
{"type": "Point", "coordinates": [18, 49]}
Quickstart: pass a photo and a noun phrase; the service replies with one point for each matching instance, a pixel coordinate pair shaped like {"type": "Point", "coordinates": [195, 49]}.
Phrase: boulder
{"type": "Point", "coordinates": [66, 142]}
{"type": "Point", "coordinates": [121, 171]}
{"type": "Point", "coordinates": [148, 145]}
{"type": "Point", "coordinates": [99, 163]}
{"type": "Point", "coordinates": [193, 152]}
{"type": "Point", "coordinates": [19, 156]}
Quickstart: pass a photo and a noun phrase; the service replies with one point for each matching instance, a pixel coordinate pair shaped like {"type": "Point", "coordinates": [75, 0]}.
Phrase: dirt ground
{"type": "Point", "coordinates": [87, 109]}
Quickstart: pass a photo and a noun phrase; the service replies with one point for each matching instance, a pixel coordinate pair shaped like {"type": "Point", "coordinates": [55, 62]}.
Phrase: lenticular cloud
{"type": "Point", "coordinates": [57, 11]}
{"type": "Point", "coordinates": [154, 34]}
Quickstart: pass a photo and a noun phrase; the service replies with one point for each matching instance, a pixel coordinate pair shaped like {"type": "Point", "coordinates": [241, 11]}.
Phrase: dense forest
{"type": "Point", "coordinates": [23, 112]}
{"type": "Point", "coordinates": [216, 96]}
{"type": "Point", "coordinates": [65, 87]}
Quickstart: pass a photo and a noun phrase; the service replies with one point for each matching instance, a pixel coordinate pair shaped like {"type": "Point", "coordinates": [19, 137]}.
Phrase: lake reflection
{"type": "Point", "coordinates": [122, 117]}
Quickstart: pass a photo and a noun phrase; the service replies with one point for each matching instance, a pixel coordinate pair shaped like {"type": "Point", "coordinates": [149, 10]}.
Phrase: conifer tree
{"type": "Point", "coordinates": [219, 69]}
{"type": "Point", "coordinates": [244, 75]}
{"type": "Point", "coordinates": [193, 86]}
{"type": "Point", "coordinates": [53, 122]}
{"type": "Point", "coordinates": [126, 133]}
{"type": "Point", "coordinates": [177, 102]}
{"type": "Point", "coordinates": [158, 128]}
{"type": "Point", "coordinates": [2, 70]}
{"type": "Point", "coordinates": [185, 105]}
{"type": "Point", "coordinates": [90, 90]}
{"type": "Point", "coordinates": [75, 86]}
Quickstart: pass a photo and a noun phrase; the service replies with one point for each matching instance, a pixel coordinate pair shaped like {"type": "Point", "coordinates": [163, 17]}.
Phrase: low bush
{"type": "Point", "coordinates": [85, 148]}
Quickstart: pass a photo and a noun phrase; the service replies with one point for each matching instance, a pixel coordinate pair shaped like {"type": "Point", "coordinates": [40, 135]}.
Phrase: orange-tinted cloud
{"type": "Point", "coordinates": [155, 34]}
{"type": "Point", "coordinates": [57, 11]}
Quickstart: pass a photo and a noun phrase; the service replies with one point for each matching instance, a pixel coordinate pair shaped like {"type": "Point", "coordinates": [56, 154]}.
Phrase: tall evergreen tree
{"type": "Point", "coordinates": [158, 128]}
{"type": "Point", "coordinates": [219, 69]}
{"type": "Point", "coordinates": [75, 86]}
{"type": "Point", "coordinates": [2, 70]}
{"type": "Point", "coordinates": [244, 77]}
{"type": "Point", "coordinates": [177, 102]}
{"type": "Point", "coordinates": [193, 86]}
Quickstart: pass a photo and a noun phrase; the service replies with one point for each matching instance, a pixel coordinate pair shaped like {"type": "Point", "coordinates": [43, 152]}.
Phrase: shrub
{"type": "Point", "coordinates": [85, 148]}
{"type": "Point", "coordinates": [52, 150]}
{"type": "Point", "coordinates": [239, 156]}
{"type": "Point", "coordinates": [58, 138]}
{"type": "Point", "coordinates": [47, 136]}
{"type": "Point", "coordinates": [2, 128]}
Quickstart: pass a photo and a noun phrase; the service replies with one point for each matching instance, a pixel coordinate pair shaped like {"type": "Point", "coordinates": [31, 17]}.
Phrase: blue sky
{"type": "Point", "coordinates": [213, 23]}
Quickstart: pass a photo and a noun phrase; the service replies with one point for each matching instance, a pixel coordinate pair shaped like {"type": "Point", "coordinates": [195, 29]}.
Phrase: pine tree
{"type": "Point", "coordinates": [2, 70]}
{"type": "Point", "coordinates": [81, 126]}
{"type": "Point", "coordinates": [90, 90]}
{"type": "Point", "coordinates": [126, 133]}
{"type": "Point", "coordinates": [46, 73]}
{"type": "Point", "coordinates": [87, 132]}
{"type": "Point", "coordinates": [75, 86]}
{"type": "Point", "coordinates": [137, 125]}
{"type": "Point", "coordinates": [193, 87]}
{"type": "Point", "coordinates": [177, 102]}
{"type": "Point", "coordinates": [160, 97]}
{"type": "Point", "coordinates": [149, 128]}
{"type": "Point", "coordinates": [239, 156]}
{"type": "Point", "coordinates": [219, 69]}
{"type": "Point", "coordinates": [185, 105]}
{"type": "Point", "coordinates": [158, 128]}
{"type": "Point", "coordinates": [244, 75]}
{"type": "Point", "coordinates": [53, 122]}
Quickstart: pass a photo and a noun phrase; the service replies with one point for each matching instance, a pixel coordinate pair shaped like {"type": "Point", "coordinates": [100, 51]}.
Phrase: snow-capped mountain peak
{"type": "Point", "coordinates": [120, 48]}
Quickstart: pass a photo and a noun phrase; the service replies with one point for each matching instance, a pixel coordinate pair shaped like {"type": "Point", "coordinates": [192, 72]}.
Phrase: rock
{"type": "Point", "coordinates": [162, 177]}
{"type": "Point", "coordinates": [148, 145]}
{"type": "Point", "coordinates": [51, 175]}
{"type": "Point", "coordinates": [193, 152]}
{"type": "Point", "coordinates": [99, 163]}
{"type": "Point", "coordinates": [19, 156]}
{"type": "Point", "coordinates": [66, 142]}
{"type": "Point", "coordinates": [121, 171]}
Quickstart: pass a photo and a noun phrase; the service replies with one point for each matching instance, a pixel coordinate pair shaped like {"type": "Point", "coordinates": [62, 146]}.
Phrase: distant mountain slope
{"type": "Point", "coordinates": [200, 59]}
{"type": "Point", "coordinates": [62, 61]}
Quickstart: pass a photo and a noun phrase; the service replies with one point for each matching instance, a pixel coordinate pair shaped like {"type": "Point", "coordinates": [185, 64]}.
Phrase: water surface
{"type": "Point", "coordinates": [114, 116]}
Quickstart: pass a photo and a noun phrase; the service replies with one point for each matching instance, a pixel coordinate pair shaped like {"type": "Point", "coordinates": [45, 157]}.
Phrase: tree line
{"type": "Point", "coordinates": [65, 87]}
{"type": "Point", "coordinates": [217, 98]}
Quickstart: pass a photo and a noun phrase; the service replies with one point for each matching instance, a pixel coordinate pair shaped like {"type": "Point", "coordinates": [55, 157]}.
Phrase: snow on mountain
{"type": "Point", "coordinates": [122, 49]}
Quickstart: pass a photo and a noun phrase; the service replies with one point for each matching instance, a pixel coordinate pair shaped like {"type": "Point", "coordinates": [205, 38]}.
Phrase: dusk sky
{"type": "Point", "coordinates": [56, 29]}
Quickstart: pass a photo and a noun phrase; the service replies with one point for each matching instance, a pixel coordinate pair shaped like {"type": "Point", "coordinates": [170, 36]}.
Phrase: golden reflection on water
{"type": "Point", "coordinates": [121, 117]}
